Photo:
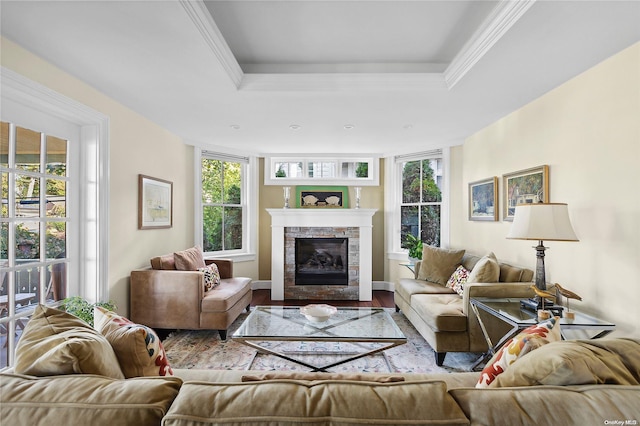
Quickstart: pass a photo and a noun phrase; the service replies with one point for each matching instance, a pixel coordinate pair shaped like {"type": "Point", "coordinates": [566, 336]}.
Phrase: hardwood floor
{"type": "Point", "coordinates": [381, 299]}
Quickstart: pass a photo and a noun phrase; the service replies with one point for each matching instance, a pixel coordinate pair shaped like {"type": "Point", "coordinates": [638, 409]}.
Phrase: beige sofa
{"type": "Point", "coordinates": [165, 298]}
{"type": "Point", "coordinates": [550, 392]}
{"type": "Point", "coordinates": [444, 317]}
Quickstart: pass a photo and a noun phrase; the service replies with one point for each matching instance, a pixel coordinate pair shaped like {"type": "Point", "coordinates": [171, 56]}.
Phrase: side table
{"type": "Point", "coordinates": [510, 311]}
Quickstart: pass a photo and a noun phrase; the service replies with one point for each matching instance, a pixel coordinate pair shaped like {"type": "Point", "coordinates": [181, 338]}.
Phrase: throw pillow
{"type": "Point", "coordinates": [511, 350]}
{"type": "Point", "coordinates": [438, 264]}
{"type": "Point", "coordinates": [211, 276]}
{"type": "Point", "coordinates": [487, 270]}
{"type": "Point", "coordinates": [189, 260]}
{"type": "Point", "coordinates": [458, 279]}
{"type": "Point", "coordinates": [55, 342]}
{"type": "Point", "coordinates": [137, 347]}
{"type": "Point", "coordinates": [577, 362]}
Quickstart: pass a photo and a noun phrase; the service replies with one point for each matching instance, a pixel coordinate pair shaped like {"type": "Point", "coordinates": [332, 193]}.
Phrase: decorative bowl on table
{"type": "Point", "coordinates": [318, 313]}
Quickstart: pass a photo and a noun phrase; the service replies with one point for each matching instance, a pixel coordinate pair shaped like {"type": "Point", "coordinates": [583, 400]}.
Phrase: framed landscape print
{"type": "Point", "coordinates": [322, 196]}
{"type": "Point", "coordinates": [523, 187]}
{"type": "Point", "coordinates": [155, 203]}
{"type": "Point", "coordinates": [483, 199]}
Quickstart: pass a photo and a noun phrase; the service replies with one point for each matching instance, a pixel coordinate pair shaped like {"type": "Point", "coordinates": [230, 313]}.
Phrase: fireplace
{"type": "Point", "coordinates": [321, 261]}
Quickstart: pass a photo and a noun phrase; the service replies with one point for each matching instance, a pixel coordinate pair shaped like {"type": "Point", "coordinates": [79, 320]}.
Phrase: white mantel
{"type": "Point", "coordinates": [359, 218]}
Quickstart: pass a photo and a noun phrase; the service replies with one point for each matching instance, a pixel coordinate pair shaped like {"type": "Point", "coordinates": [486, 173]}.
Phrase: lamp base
{"type": "Point", "coordinates": [532, 305]}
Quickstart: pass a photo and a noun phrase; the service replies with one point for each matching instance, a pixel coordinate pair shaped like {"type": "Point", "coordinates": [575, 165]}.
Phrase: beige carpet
{"type": "Point", "coordinates": [203, 349]}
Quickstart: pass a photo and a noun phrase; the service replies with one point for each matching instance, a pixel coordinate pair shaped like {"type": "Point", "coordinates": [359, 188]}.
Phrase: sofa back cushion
{"type": "Point", "coordinates": [165, 262]}
{"type": "Point", "coordinates": [294, 402]}
{"type": "Point", "coordinates": [438, 264]}
{"type": "Point", "coordinates": [189, 260]}
{"type": "Point", "coordinates": [85, 399]}
{"type": "Point", "coordinates": [486, 270]}
{"type": "Point", "coordinates": [508, 273]}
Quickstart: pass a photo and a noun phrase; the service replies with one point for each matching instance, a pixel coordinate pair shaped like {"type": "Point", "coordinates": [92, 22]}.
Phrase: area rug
{"type": "Point", "coordinates": [203, 349]}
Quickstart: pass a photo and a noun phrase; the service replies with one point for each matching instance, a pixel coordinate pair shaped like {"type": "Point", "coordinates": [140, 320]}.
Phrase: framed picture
{"type": "Point", "coordinates": [322, 197]}
{"type": "Point", "coordinates": [525, 186]}
{"type": "Point", "coordinates": [483, 199]}
{"type": "Point", "coordinates": [155, 203]}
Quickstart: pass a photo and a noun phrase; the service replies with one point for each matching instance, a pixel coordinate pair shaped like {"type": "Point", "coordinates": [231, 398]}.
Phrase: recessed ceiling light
{"type": "Point", "coordinates": [235, 126]}
{"type": "Point", "coordinates": [349, 126]}
{"type": "Point", "coordinates": [407, 126]}
{"type": "Point", "coordinates": [294, 126]}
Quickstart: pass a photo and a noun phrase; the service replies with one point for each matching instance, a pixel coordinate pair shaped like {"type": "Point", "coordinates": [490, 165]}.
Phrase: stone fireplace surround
{"type": "Point", "coordinates": [356, 224]}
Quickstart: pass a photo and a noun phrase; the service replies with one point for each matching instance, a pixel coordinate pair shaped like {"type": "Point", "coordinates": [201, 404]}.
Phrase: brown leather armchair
{"type": "Point", "coordinates": [172, 299]}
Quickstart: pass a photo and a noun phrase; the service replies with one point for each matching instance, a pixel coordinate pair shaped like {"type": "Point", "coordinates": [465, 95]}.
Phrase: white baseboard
{"type": "Point", "coordinates": [375, 285]}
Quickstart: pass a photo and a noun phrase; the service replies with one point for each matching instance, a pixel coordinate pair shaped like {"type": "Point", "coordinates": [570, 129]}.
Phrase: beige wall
{"type": "Point", "coordinates": [588, 132]}
{"type": "Point", "coordinates": [137, 146]}
{"type": "Point", "coordinates": [271, 196]}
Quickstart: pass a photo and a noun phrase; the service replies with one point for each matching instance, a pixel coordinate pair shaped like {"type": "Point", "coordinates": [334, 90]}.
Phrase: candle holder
{"type": "Point", "coordinates": [287, 193]}
{"type": "Point", "coordinates": [358, 191]}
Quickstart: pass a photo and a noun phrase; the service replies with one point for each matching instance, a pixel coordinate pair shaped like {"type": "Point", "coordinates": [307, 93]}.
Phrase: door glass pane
{"type": "Point", "coordinates": [27, 240]}
{"type": "Point", "coordinates": [56, 198]}
{"type": "Point", "coordinates": [4, 247]}
{"type": "Point", "coordinates": [27, 284]}
{"type": "Point", "coordinates": [57, 283]}
{"type": "Point", "coordinates": [4, 209]}
{"type": "Point", "coordinates": [27, 196]}
{"type": "Point", "coordinates": [56, 239]}
{"type": "Point", "coordinates": [4, 144]}
{"type": "Point", "coordinates": [27, 150]}
{"type": "Point", "coordinates": [56, 163]}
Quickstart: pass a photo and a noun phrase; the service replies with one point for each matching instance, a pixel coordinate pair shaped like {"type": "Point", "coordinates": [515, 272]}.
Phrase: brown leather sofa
{"type": "Point", "coordinates": [173, 299]}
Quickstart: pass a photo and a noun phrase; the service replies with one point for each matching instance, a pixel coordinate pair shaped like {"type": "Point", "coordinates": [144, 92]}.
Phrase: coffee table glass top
{"type": "Point", "coordinates": [347, 324]}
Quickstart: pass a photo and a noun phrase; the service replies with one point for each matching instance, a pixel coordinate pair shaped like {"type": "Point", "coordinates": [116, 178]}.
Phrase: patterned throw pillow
{"type": "Point", "coordinates": [458, 279]}
{"type": "Point", "coordinates": [138, 348]}
{"type": "Point", "coordinates": [544, 332]}
{"type": "Point", "coordinates": [211, 276]}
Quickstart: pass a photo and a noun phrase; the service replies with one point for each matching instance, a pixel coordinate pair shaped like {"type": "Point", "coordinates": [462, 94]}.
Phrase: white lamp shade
{"type": "Point", "coordinates": [542, 221]}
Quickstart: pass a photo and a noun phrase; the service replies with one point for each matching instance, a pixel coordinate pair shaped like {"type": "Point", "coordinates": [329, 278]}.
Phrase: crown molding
{"type": "Point", "coordinates": [199, 14]}
{"type": "Point", "coordinates": [342, 82]}
{"type": "Point", "coordinates": [503, 17]}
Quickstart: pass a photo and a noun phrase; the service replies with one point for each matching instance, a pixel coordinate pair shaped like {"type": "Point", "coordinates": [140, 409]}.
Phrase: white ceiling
{"type": "Point", "coordinates": [406, 75]}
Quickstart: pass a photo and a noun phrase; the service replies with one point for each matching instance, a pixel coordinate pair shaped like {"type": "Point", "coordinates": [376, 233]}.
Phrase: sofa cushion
{"type": "Point", "coordinates": [55, 343]}
{"type": "Point", "coordinates": [535, 405]}
{"type": "Point", "coordinates": [314, 403]}
{"type": "Point", "coordinates": [312, 376]}
{"type": "Point", "coordinates": [487, 270]}
{"type": "Point", "coordinates": [513, 348]}
{"type": "Point", "coordinates": [579, 362]}
{"type": "Point", "coordinates": [189, 260]}
{"type": "Point", "coordinates": [407, 287]}
{"type": "Point", "coordinates": [211, 276]}
{"type": "Point", "coordinates": [442, 312]}
{"type": "Point", "coordinates": [438, 264]}
{"type": "Point", "coordinates": [510, 274]}
{"type": "Point", "coordinates": [85, 399]}
{"type": "Point", "coordinates": [458, 279]}
{"type": "Point", "coordinates": [227, 294]}
{"type": "Point", "coordinates": [138, 348]}
{"type": "Point", "coordinates": [165, 262]}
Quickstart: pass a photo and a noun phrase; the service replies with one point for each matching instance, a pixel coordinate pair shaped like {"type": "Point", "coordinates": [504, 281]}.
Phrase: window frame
{"type": "Point", "coordinates": [393, 200]}
{"type": "Point", "coordinates": [248, 202]}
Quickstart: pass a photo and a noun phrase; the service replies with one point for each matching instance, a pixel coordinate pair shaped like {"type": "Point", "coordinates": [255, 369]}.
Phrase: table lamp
{"type": "Point", "coordinates": [541, 221]}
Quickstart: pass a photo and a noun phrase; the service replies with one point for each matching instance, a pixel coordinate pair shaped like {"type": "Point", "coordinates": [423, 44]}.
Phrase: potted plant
{"type": "Point", "coordinates": [81, 308]}
{"type": "Point", "coordinates": [414, 244]}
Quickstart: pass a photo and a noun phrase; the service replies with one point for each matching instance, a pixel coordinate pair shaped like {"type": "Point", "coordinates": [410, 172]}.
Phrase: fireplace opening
{"type": "Point", "coordinates": [322, 261]}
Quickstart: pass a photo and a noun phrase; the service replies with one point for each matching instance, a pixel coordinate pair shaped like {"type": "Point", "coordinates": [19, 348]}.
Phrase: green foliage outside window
{"type": "Point", "coordinates": [420, 209]}
{"type": "Point", "coordinates": [221, 205]}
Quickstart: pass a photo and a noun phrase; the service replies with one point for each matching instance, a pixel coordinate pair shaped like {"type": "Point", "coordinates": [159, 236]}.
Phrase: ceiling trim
{"type": "Point", "coordinates": [343, 81]}
{"type": "Point", "coordinates": [204, 22]}
{"type": "Point", "coordinates": [502, 17]}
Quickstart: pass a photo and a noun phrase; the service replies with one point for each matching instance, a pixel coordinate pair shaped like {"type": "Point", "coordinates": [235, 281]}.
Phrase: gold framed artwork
{"type": "Point", "coordinates": [322, 196]}
{"type": "Point", "coordinates": [155, 203]}
{"type": "Point", "coordinates": [483, 199]}
{"type": "Point", "coordinates": [524, 187]}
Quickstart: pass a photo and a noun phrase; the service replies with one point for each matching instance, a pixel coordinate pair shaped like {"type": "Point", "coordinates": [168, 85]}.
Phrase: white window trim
{"type": "Point", "coordinates": [393, 199]}
{"type": "Point", "coordinates": [250, 200]}
{"type": "Point", "coordinates": [93, 177]}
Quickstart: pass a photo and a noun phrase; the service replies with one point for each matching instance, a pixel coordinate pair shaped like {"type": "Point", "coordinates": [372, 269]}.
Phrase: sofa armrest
{"type": "Point", "coordinates": [225, 266]}
{"type": "Point", "coordinates": [514, 289]}
{"type": "Point", "coordinates": [166, 299]}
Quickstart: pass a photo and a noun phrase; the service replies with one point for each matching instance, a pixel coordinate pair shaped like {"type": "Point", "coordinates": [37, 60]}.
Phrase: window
{"type": "Point", "coordinates": [223, 205]}
{"type": "Point", "coordinates": [421, 198]}
{"type": "Point", "coordinates": [321, 170]}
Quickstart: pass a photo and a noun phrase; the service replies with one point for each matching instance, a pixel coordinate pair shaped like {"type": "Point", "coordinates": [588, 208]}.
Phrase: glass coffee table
{"type": "Point", "coordinates": [370, 330]}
